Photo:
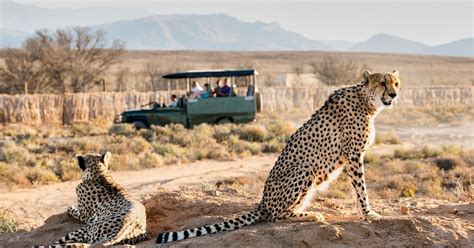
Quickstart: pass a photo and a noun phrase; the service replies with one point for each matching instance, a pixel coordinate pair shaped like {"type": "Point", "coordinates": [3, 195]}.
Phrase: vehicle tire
{"type": "Point", "coordinates": [139, 124]}
{"type": "Point", "coordinates": [258, 101]}
{"type": "Point", "coordinates": [225, 120]}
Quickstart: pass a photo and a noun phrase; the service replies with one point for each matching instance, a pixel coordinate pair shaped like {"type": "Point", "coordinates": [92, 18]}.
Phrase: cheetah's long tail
{"type": "Point", "coordinates": [249, 218]}
{"type": "Point", "coordinates": [71, 245]}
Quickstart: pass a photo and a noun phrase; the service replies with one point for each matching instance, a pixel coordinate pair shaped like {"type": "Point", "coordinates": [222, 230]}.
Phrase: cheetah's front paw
{"type": "Point", "coordinates": [73, 212]}
{"type": "Point", "coordinates": [372, 216]}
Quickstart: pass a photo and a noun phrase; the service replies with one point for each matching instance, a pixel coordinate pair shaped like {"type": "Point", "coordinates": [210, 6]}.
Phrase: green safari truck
{"type": "Point", "coordinates": [192, 110]}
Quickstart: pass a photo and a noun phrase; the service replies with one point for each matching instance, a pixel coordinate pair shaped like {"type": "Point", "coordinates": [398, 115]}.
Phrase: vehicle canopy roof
{"type": "Point", "coordinates": [211, 73]}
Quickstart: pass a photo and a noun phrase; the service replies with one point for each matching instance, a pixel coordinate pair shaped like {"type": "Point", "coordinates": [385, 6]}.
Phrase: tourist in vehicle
{"type": "Point", "coordinates": [174, 101]}
{"type": "Point", "coordinates": [218, 89]}
{"type": "Point", "coordinates": [226, 88]}
{"type": "Point", "coordinates": [206, 92]}
{"type": "Point", "coordinates": [196, 90]}
{"type": "Point", "coordinates": [250, 89]}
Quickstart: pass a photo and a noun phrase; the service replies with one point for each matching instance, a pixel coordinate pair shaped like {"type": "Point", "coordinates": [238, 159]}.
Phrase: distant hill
{"type": "Point", "coordinates": [206, 32]}
{"type": "Point", "coordinates": [464, 47]}
{"type": "Point", "coordinates": [28, 18]}
{"type": "Point", "coordinates": [141, 29]}
{"type": "Point", "coordinates": [384, 43]}
{"type": "Point", "coordinates": [339, 45]}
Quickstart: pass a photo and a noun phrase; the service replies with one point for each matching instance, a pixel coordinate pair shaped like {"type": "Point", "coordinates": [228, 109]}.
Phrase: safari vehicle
{"type": "Point", "coordinates": [239, 107]}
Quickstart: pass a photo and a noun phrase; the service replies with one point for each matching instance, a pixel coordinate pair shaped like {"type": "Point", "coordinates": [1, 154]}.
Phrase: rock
{"type": "Point", "coordinates": [404, 210]}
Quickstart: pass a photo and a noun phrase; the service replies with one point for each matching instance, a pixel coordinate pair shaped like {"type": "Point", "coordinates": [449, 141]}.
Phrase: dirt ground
{"type": "Point", "coordinates": [185, 196]}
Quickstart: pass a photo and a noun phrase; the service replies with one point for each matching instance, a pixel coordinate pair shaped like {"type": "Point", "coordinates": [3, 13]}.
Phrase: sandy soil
{"type": "Point", "coordinates": [184, 196]}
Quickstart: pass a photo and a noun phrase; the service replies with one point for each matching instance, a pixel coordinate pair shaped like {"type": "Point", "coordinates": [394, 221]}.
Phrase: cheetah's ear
{"type": "Point", "coordinates": [81, 161]}
{"type": "Point", "coordinates": [366, 74]}
{"type": "Point", "coordinates": [106, 158]}
{"type": "Point", "coordinates": [395, 72]}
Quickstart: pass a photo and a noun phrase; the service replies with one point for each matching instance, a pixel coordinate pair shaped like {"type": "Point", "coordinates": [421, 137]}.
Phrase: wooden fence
{"type": "Point", "coordinates": [49, 109]}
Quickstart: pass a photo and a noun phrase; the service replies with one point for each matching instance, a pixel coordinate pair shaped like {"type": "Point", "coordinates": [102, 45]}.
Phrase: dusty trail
{"type": "Point", "coordinates": [33, 206]}
{"type": "Point", "coordinates": [185, 196]}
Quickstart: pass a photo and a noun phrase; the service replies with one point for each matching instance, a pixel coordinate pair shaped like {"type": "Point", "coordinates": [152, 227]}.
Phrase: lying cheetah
{"type": "Point", "coordinates": [335, 138]}
{"type": "Point", "coordinates": [111, 216]}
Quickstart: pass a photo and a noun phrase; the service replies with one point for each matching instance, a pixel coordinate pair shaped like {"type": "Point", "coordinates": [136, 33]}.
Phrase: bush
{"type": "Point", "coordinates": [371, 158]}
{"type": "Point", "coordinates": [11, 152]}
{"type": "Point", "coordinates": [137, 145]}
{"type": "Point", "coordinates": [86, 129]}
{"type": "Point", "coordinates": [280, 128]}
{"type": "Point", "coordinates": [68, 169]}
{"type": "Point", "coordinates": [408, 191]}
{"type": "Point", "coordinates": [38, 175]}
{"type": "Point", "coordinates": [274, 146]}
{"type": "Point", "coordinates": [7, 221]}
{"type": "Point", "coordinates": [222, 132]}
{"type": "Point", "coordinates": [124, 129]}
{"type": "Point", "coordinates": [150, 160]}
{"type": "Point", "coordinates": [449, 162]}
{"type": "Point", "coordinates": [387, 138]}
{"type": "Point", "coordinates": [253, 133]}
{"type": "Point", "coordinates": [422, 153]}
{"type": "Point", "coordinates": [168, 150]}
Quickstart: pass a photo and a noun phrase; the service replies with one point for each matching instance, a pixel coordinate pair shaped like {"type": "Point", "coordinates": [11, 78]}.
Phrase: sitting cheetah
{"type": "Point", "coordinates": [335, 138]}
{"type": "Point", "coordinates": [111, 216]}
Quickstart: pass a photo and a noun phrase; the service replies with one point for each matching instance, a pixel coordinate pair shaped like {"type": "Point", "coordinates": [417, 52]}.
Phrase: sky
{"type": "Point", "coordinates": [430, 22]}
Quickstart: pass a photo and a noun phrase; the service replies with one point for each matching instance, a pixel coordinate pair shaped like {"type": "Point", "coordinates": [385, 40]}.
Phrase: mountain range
{"type": "Point", "coordinates": [142, 30]}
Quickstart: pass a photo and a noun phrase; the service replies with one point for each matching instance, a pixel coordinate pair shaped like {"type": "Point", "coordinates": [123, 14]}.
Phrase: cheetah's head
{"type": "Point", "coordinates": [93, 164]}
{"type": "Point", "coordinates": [383, 88]}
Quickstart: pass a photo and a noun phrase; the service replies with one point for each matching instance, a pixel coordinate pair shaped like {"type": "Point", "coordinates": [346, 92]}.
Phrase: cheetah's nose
{"type": "Point", "coordinates": [393, 95]}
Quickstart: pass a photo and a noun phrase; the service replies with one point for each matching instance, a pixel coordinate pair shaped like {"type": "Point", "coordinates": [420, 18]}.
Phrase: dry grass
{"type": "Point", "coordinates": [422, 116]}
{"type": "Point", "coordinates": [30, 156]}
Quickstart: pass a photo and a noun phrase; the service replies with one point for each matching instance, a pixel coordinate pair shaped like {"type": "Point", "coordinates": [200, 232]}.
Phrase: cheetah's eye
{"type": "Point", "coordinates": [396, 84]}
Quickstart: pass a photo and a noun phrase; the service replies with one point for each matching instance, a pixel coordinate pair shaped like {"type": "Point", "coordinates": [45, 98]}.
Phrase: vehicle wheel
{"type": "Point", "coordinates": [224, 120]}
{"type": "Point", "coordinates": [139, 124]}
{"type": "Point", "coordinates": [258, 101]}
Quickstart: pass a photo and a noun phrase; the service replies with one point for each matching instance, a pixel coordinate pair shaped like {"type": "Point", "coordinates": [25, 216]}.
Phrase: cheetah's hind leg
{"type": "Point", "coordinates": [77, 236]}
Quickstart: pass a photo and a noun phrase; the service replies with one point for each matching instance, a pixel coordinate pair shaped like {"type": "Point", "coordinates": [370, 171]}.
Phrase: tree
{"type": "Point", "coordinates": [333, 71]}
{"type": "Point", "coordinates": [121, 78]}
{"type": "Point", "coordinates": [71, 59]}
{"type": "Point", "coordinates": [152, 70]}
{"type": "Point", "coordinates": [298, 71]}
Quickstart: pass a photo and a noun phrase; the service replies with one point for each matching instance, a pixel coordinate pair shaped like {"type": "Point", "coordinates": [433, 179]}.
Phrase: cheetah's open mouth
{"type": "Point", "coordinates": [387, 102]}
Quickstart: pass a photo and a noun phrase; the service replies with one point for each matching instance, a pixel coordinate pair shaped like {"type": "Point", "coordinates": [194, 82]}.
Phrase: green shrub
{"type": "Point", "coordinates": [408, 191]}
{"type": "Point", "coordinates": [8, 222]}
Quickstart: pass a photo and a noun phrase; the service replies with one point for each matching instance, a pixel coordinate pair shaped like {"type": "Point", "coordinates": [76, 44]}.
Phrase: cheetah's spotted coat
{"type": "Point", "coordinates": [111, 216]}
{"type": "Point", "coordinates": [335, 138]}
